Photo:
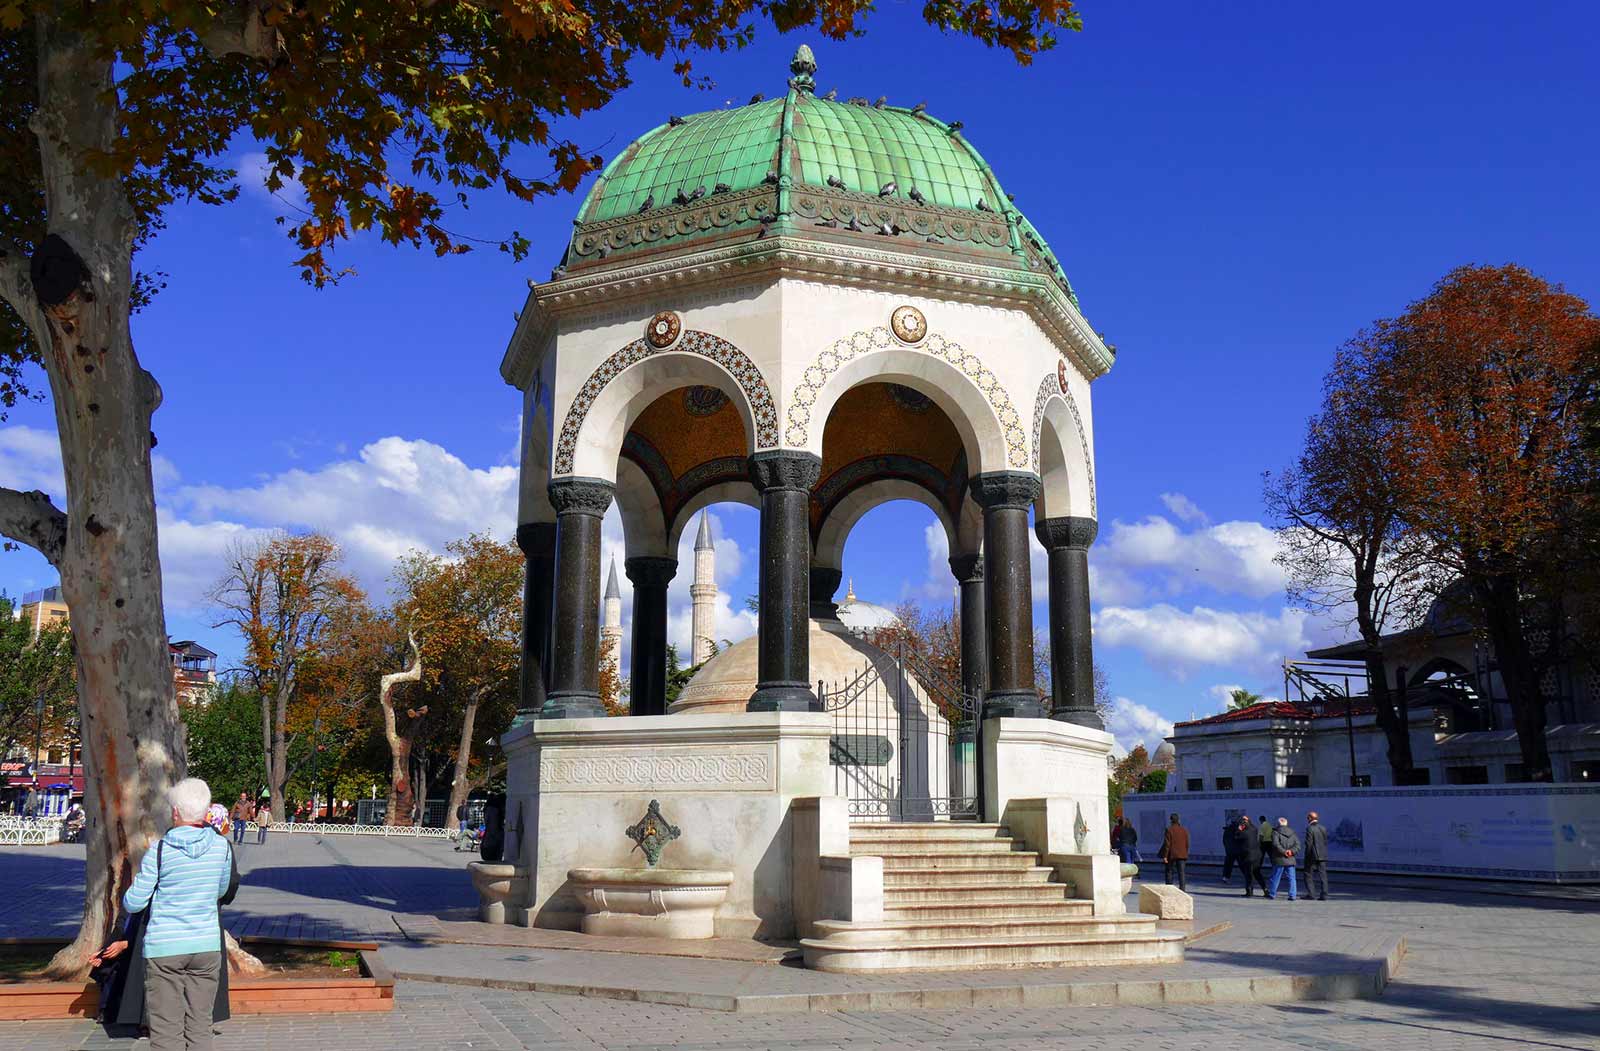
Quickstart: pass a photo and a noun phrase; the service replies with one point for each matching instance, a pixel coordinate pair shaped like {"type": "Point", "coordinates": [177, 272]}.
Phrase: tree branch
{"type": "Point", "coordinates": [241, 29]}
{"type": "Point", "coordinates": [31, 519]}
{"type": "Point", "coordinates": [16, 288]}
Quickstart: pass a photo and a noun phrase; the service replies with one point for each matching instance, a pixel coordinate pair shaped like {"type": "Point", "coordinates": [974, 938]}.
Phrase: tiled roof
{"type": "Point", "coordinates": [1283, 710]}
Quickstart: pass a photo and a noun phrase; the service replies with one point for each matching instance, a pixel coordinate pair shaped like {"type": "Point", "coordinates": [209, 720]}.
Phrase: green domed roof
{"type": "Point", "coordinates": [805, 164]}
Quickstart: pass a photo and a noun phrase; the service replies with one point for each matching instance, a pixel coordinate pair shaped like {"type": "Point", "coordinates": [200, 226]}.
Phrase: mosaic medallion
{"type": "Point", "coordinates": [908, 324]}
{"type": "Point", "coordinates": [703, 401]}
{"type": "Point", "coordinates": [663, 329]}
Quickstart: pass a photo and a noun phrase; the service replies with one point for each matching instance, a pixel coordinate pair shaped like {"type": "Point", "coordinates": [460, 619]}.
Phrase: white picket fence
{"type": "Point", "coordinates": [29, 831]}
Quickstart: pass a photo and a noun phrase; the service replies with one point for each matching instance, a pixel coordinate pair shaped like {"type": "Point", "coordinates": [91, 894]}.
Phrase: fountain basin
{"type": "Point", "coordinates": [496, 884]}
{"type": "Point", "coordinates": [651, 903]}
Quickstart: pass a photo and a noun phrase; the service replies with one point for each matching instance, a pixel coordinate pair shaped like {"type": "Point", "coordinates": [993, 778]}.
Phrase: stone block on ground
{"type": "Point", "coordinates": [1169, 903]}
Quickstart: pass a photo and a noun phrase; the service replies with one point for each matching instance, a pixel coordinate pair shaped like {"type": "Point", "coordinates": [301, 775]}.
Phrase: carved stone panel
{"type": "Point", "coordinates": [661, 768]}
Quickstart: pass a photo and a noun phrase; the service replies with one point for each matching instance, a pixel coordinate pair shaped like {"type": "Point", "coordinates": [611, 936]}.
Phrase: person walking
{"type": "Point", "coordinates": [1175, 852]}
{"type": "Point", "coordinates": [1116, 838]}
{"type": "Point", "coordinates": [1285, 856]}
{"type": "Point", "coordinates": [1316, 857]}
{"type": "Point", "coordinates": [1230, 852]}
{"type": "Point", "coordinates": [180, 882]}
{"type": "Point", "coordinates": [263, 819]}
{"type": "Point", "coordinates": [1130, 843]}
{"type": "Point", "coordinates": [1264, 834]}
{"type": "Point", "coordinates": [1247, 845]}
{"type": "Point", "coordinates": [240, 816]}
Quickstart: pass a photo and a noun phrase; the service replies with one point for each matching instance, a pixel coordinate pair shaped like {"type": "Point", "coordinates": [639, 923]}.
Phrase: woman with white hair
{"type": "Point", "coordinates": [182, 943]}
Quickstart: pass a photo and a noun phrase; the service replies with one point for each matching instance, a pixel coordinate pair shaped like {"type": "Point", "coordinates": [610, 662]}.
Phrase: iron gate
{"type": "Point", "coordinates": [904, 744]}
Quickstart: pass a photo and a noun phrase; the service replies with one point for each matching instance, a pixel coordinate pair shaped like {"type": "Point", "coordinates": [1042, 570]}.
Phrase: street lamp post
{"type": "Point", "coordinates": [38, 743]}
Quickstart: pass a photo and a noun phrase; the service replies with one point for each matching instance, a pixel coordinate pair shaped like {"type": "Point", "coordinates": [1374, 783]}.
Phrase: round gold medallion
{"type": "Point", "coordinates": [663, 329]}
{"type": "Point", "coordinates": [909, 324]}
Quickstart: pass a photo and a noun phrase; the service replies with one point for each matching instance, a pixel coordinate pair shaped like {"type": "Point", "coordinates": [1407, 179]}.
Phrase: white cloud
{"type": "Point", "coordinates": [253, 168]}
{"type": "Point", "coordinates": [30, 458]}
{"type": "Point", "coordinates": [1180, 641]}
{"type": "Point", "coordinates": [1230, 557]}
{"type": "Point", "coordinates": [1185, 509]}
{"type": "Point", "coordinates": [1133, 724]}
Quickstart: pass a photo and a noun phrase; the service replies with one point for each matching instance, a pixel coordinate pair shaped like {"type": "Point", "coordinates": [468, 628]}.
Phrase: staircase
{"type": "Point", "coordinates": [962, 896]}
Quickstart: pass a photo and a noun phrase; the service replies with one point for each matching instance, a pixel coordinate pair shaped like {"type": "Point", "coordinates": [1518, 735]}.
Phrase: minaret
{"type": "Point", "coordinates": [703, 594]}
{"type": "Point", "coordinates": [611, 623]}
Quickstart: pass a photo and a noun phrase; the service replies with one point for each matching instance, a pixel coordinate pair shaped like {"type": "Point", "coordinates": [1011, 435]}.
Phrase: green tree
{"type": "Point", "coordinates": [1242, 698]}
{"type": "Point", "coordinates": [34, 669]}
{"type": "Point", "coordinates": [1153, 781]}
{"type": "Point", "coordinates": [677, 675]}
{"type": "Point", "coordinates": [225, 741]}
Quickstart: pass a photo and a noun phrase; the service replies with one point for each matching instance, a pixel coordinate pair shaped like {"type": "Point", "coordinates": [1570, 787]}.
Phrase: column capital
{"type": "Point", "coordinates": [650, 570]}
{"type": "Point", "coordinates": [537, 538]}
{"type": "Point", "coordinates": [1005, 489]}
{"type": "Point", "coordinates": [785, 469]}
{"type": "Point", "coordinates": [582, 496]}
{"type": "Point", "coordinates": [1069, 532]}
{"type": "Point", "coordinates": [968, 569]}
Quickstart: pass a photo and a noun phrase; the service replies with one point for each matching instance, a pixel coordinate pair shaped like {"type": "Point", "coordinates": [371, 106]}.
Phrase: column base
{"type": "Point", "coordinates": [783, 697]}
{"type": "Point", "coordinates": [575, 705]}
{"type": "Point", "coordinates": [1079, 717]}
{"type": "Point", "coordinates": [525, 716]}
{"type": "Point", "coordinates": [1012, 704]}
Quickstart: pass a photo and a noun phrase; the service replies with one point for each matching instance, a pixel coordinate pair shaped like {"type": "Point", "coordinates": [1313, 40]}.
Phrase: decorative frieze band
{"type": "Point", "coordinates": [723, 769]}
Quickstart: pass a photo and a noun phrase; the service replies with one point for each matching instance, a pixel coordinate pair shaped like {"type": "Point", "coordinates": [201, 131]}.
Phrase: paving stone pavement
{"type": "Point", "coordinates": [1484, 971]}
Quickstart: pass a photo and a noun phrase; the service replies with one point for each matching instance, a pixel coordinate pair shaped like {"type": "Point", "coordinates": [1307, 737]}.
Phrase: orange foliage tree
{"type": "Point", "coordinates": [1489, 380]}
{"type": "Point", "coordinates": [284, 594]}
{"type": "Point", "coordinates": [466, 610]}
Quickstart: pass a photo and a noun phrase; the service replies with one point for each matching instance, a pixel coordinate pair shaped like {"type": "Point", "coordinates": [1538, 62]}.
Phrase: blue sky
{"type": "Point", "coordinates": [1232, 193]}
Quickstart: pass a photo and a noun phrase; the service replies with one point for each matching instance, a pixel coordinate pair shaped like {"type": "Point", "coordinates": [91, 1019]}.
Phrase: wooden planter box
{"type": "Point", "coordinates": [374, 991]}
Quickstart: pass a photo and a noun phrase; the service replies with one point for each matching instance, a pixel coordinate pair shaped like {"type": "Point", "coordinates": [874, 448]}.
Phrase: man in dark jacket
{"type": "Point", "coordinates": [1247, 849]}
{"type": "Point", "coordinates": [1316, 857]}
{"type": "Point", "coordinates": [1230, 851]}
{"type": "Point", "coordinates": [1285, 856]}
{"type": "Point", "coordinates": [1175, 853]}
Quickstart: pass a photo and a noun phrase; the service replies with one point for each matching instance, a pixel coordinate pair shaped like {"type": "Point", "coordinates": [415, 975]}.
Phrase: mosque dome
{"type": "Point", "coordinates": [858, 615]}
{"type": "Point", "coordinates": [844, 172]}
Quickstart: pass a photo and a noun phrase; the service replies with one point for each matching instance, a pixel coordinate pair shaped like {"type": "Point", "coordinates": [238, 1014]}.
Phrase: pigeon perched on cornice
{"type": "Point", "coordinates": [983, 205]}
{"type": "Point", "coordinates": [888, 229]}
{"type": "Point", "coordinates": [649, 203]}
{"type": "Point", "coordinates": [916, 195]}
{"type": "Point", "coordinates": [880, 102]}
{"type": "Point", "coordinates": [853, 225]}
{"type": "Point", "coordinates": [888, 189]}
{"type": "Point", "coordinates": [857, 100]}
{"type": "Point", "coordinates": [757, 97]}
{"type": "Point", "coordinates": [832, 95]}
{"type": "Point", "coordinates": [772, 176]}
{"type": "Point", "coordinates": [699, 192]}
{"type": "Point", "coordinates": [836, 182]}
{"type": "Point", "coordinates": [829, 223]}
{"type": "Point", "coordinates": [955, 126]}
{"type": "Point", "coordinates": [675, 121]}
{"type": "Point", "coordinates": [680, 199]}
{"type": "Point", "coordinates": [721, 187]}
{"type": "Point", "coordinates": [919, 109]}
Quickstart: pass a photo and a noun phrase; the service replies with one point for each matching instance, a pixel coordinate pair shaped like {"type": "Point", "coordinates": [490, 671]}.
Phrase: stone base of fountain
{"type": "Point", "coordinates": [650, 903]}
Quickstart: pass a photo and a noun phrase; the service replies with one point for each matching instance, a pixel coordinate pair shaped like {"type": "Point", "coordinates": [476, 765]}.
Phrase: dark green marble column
{"type": "Point", "coordinates": [1067, 541]}
{"type": "Point", "coordinates": [968, 570]}
{"type": "Point", "coordinates": [575, 656]}
{"type": "Point", "coordinates": [784, 479]}
{"type": "Point", "coordinates": [647, 694]}
{"type": "Point", "coordinates": [1005, 497]}
{"type": "Point", "coordinates": [538, 543]}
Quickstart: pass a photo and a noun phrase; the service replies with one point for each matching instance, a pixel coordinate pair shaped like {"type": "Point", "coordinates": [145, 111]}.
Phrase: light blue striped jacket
{"type": "Point", "coordinates": [195, 870]}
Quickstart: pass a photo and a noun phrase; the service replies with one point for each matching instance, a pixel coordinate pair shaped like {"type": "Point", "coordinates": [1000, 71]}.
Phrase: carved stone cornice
{"type": "Point", "coordinates": [787, 255]}
{"type": "Point", "coordinates": [968, 569]}
{"type": "Point", "coordinates": [1016, 490]}
{"type": "Point", "coordinates": [650, 570]}
{"type": "Point", "coordinates": [1069, 531]}
{"type": "Point", "coordinates": [536, 327]}
{"type": "Point", "coordinates": [785, 469]}
{"type": "Point", "coordinates": [581, 496]}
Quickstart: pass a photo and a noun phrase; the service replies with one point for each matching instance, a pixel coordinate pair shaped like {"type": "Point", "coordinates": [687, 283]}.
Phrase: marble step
{"type": "Point", "coordinates": [989, 909]}
{"type": "Point", "coordinates": [965, 830]}
{"type": "Point", "coordinates": [954, 879]}
{"type": "Point", "coordinates": [886, 847]}
{"type": "Point", "coordinates": [895, 896]}
{"type": "Point", "coordinates": [892, 953]}
{"type": "Point", "coordinates": [946, 929]}
{"type": "Point", "coordinates": [957, 862]}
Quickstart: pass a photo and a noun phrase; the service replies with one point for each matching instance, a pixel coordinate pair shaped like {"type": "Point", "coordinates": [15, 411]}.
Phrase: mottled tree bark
{"type": "Point", "coordinates": [401, 794]}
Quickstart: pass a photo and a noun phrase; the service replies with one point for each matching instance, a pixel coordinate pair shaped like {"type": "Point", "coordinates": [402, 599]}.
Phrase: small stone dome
{"type": "Point", "coordinates": [1165, 753]}
{"type": "Point", "coordinates": [857, 615]}
{"type": "Point", "coordinates": [725, 682]}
